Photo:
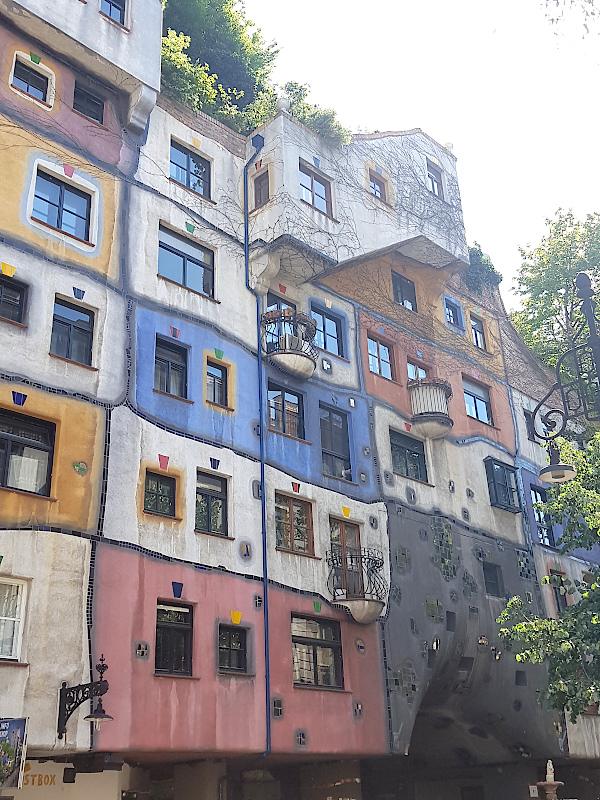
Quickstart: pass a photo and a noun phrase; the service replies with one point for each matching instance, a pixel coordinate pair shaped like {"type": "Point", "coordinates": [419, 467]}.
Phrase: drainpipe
{"type": "Point", "coordinates": [258, 142]}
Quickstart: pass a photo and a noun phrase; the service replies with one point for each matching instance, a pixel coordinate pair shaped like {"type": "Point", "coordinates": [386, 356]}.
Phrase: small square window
{"type": "Point", "coordinates": [408, 456]}
{"type": "Point", "coordinates": [88, 104]}
{"type": "Point", "coordinates": [12, 606]}
{"type": "Point", "coordinates": [159, 494]}
{"type": "Point", "coordinates": [380, 358]}
{"type": "Point", "coordinates": [434, 180]}
{"type": "Point", "coordinates": [185, 262]}
{"type": "Point", "coordinates": [315, 190]}
{"type": "Point", "coordinates": [12, 299]}
{"type": "Point", "coordinates": [329, 332]}
{"type": "Point", "coordinates": [502, 485]}
{"type": "Point", "coordinates": [377, 186]}
{"type": "Point", "coordinates": [174, 628]}
{"type": "Point", "coordinates": [190, 169]}
{"type": "Point", "coordinates": [29, 80]}
{"type": "Point", "coordinates": [26, 453]}
{"type": "Point", "coordinates": [293, 524]}
{"type": "Point", "coordinates": [478, 333]}
{"type": "Point", "coordinates": [492, 576]}
{"type": "Point", "coordinates": [404, 291]}
{"type": "Point", "coordinates": [72, 332]}
{"type": "Point", "coordinates": [261, 189]}
{"type": "Point", "coordinates": [335, 444]}
{"type": "Point", "coordinates": [216, 384]}
{"type": "Point", "coordinates": [170, 368]}
{"type": "Point", "coordinates": [286, 411]}
{"type": "Point", "coordinates": [115, 9]}
{"type": "Point", "coordinates": [61, 206]}
{"type": "Point", "coordinates": [232, 649]}
{"type": "Point", "coordinates": [477, 402]}
{"type": "Point", "coordinates": [211, 504]}
{"type": "Point", "coordinates": [453, 314]}
{"type": "Point", "coordinates": [317, 652]}
{"type": "Point", "coordinates": [415, 371]}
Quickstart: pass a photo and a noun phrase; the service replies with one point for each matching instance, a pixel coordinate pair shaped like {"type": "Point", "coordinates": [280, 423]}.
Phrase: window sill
{"type": "Point", "coordinates": [70, 361]}
{"type": "Point", "coordinates": [297, 553]}
{"type": "Point", "coordinates": [13, 662]}
{"type": "Point", "coordinates": [183, 286]}
{"type": "Point", "coordinates": [511, 510]}
{"type": "Point", "coordinates": [416, 480]}
{"type": "Point", "coordinates": [13, 322]}
{"type": "Point", "coordinates": [487, 424]}
{"type": "Point", "coordinates": [31, 97]}
{"type": "Point", "coordinates": [333, 355]}
{"type": "Point", "coordinates": [176, 677]}
{"type": "Point", "coordinates": [174, 396]}
{"type": "Point", "coordinates": [219, 407]}
{"type": "Point", "coordinates": [256, 209]}
{"type": "Point", "coordinates": [63, 233]}
{"type": "Point", "coordinates": [342, 480]}
{"type": "Point", "coordinates": [29, 494]}
{"type": "Point", "coordinates": [336, 689]}
{"type": "Point", "coordinates": [387, 205]}
{"type": "Point", "coordinates": [115, 22]}
{"type": "Point", "coordinates": [456, 328]}
{"type": "Point", "coordinates": [162, 516]}
{"type": "Point", "coordinates": [192, 191]}
{"type": "Point", "coordinates": [318, 210]}
{"type": "Point", "coordinates": [89, 119]}
{"type": "Point", "coordinates": [389, 380]}
{"type": "Point", "coordinates": [226, 673]}
{"type": "Point", "coordinates": [216, 535]}
{"type": "Point", "coordinates": [289, 436]}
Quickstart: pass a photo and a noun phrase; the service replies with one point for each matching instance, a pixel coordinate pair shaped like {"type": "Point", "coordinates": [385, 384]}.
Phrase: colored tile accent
{"type": "Point", "coordinates": [68, 170]}
{"type": "Point", "coordinates": [474, 373]}
{"type": "Point", "coordinates": [218, 353]}
{"type": "Point", "coordinates": [317, 606]}
{"type": "Point", "coordinates": [328, 303]}
{"type": "Point", "coordinates": [80, 467]}
{"type": "Point", "coordinates": [295, 487]}
{"type": "Point", "coordinates": [245, 550]}
{"type": "Point", "coordinates": [214, 463]}
{"type": "Point", "coordinates": [78, 293]}
{"type": "Point", "coordinates": [177, 589]}
{"type": "Point", "coordinates": [196, 142]}
{"type": "Point", "coordinates": [258, 164]}
{"type": "Point", "coordinates": [378, 170]}
{"type": "Point", "coordinates": [189, 227]}
{"type": "Point", "coordinates": [345, 511]}
{"type": "Point", "coordinates": [163, 461]}
{"type": "Point", "coordinates": [419, 354]}
{"type": "Point", "coordinates": [408, 426]}
{"type": "Point", "coordinates": [282, 288]}
{"type": "Point", "coordinates": [316, 162]}
{"type": "Point", "coordinates": [19, 398]}
{"type": "Point", "coordinates": [8, 270]}
{"type": "Point", "coordinates": [35, 58]}
{"type": "Point", "coordinates": [381, 330]}
{"type": "Point", "coordinates": [236, 617]}
{"type": "Point", "coordinates": [174, 332]}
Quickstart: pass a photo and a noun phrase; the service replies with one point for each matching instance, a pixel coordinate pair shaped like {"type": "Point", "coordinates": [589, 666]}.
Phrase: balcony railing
{"type": "Point", "coordinates": [288, 339]}
{"type": "Point", "coordinates": [356, 581]}
{"type": "Point", "coordinates": [429, 400]}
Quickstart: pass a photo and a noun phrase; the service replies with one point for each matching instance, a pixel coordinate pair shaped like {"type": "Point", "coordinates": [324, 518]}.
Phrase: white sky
{"type": "Point", "coordinates": [517, 97]}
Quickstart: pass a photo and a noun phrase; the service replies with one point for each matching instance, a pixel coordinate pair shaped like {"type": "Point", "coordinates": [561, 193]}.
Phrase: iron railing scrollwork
{"type": "Point", "coordinates": [289, 331]}
{"type": "Point", "coordinates": [356, 573]}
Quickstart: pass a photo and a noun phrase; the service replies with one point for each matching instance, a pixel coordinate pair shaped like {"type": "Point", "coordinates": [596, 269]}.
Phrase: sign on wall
{"type": "Point", "coordinates": [13, 746]}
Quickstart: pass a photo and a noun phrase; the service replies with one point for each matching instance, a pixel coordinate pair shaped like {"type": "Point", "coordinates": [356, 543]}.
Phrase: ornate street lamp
{"type": "Point", "coordinates": [71, 697]}
{"type": "Point", "coordinates": [577, 381]}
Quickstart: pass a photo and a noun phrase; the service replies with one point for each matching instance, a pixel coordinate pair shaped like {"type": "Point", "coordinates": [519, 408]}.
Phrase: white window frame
{"type": "Point", "coordinates": [25, 58]}
{"type": "Point", "coordinates": [20, 618]}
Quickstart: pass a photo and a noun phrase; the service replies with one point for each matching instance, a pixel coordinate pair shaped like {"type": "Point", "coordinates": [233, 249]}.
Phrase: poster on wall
{"type": "Point", "coordinates": [13, 738]}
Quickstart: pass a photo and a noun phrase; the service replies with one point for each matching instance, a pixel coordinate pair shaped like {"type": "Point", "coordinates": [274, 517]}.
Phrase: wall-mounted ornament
{"type": "Point", "coordinates": [373, 522]}
{"type": "Point", "coordinates": [363, 477]}
{"type": "Point", "coordinates": [218, 353]}
{"type": "Point", "coordinates": [141, 650]}
{"type": "Point", "coordinates": [474, 373]}
{"type": "Point", "coordinates": [163, 461]}
{"type": "Point", "coordinates": [214, 463]}
{"type": "Point", "coordinates": [295, 487]}
{"type": "Point", "coordinates": [334, 399]}
{"type": "Point", "coordinates": [352, 402]}
{"type": "Point", "coordinates": [326, 365]}
{"type": "Point", "coordinates": [68, 170]}
{"type": "Point", "coordinates": [256, 490]}
{"type": "Point", "coordinates": [328, 303]}
{"type": "Point", "coordinates": [196, 142]}
{"type": "Point", "coordinates": [411, 495]}
{"type": "Point", "coordinates": [258, 164]}
{"type": "Point", "coordinates": [19, 398]}
{"type": "Point", "coordinates": [366, 451]}
{"type": "Point", "coordinates": [189, 227]}
{"type": "Point", "coordinates": [360, 646]}
{"type": "Point", "coordinates": [236, 617]}
{"type": "Point", "coordinates": [408, 426]}
{"type": "Point", "coordinates": [381, 330]}
{"type": "Point", "coordinates": [78, 294]}
{"type": "Point", "coordinates": [174, 332]}
{"type": "Point", "coordinates": [177, 589]}
{"type": "Point", "coordinates": [7, 269]}
{"type": "Point", "coordinates": [388, 477]}
{"type": "Point", "coordinates": [246, 550]}
{"type": "Point", "coordinates": [258, 601]}
{"type": "Point", "coordinates": [35, 58]}
{"type": "Point", "coordinates": [451, 487]}
{"type": "Point", "coordinates": [316, 162]}
{"type": "Point", "coordinates": [282, 288]}
{"type": "Point", "coordinates": [345, 511]}
{"type": "Point", "coordinates": [317, 606]}
{"type": "Point", "coordinates": [358, 710]}
{"type": "Point", "coordinates": [470, 494]}
{"type": "Point", "coordinates": [80, 467]}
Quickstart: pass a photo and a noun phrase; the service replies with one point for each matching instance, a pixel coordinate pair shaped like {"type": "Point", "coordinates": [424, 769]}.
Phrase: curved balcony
{"type": "Point", "coordinates": [356, 581]}
{"type": "Point", "coordinates": [288, 340]}
{"type": "Point", "coordinates": [429, 400]}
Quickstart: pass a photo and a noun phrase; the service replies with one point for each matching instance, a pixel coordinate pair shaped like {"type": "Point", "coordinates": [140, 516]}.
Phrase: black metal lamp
{"type": "Point", "coordinates": [71, 697]}
{"type": "Point", "coordinates": [556, 472]}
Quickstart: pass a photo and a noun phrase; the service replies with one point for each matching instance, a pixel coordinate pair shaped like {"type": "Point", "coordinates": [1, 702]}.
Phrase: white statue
{"type": "Point", "coordinates": [549, 772]}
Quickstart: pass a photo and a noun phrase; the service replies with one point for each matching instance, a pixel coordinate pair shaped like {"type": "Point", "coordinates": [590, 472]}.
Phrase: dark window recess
{"type": "Point", "coordinates": [261, 189]}
{"type": "Point", "coordinates": [408, 456]}
{"type": "Point", "coordinates": [478, 333]}
{"type": "Point", "coordinates": [450, 621]}
{"type": "Point", "coordinates": [174, 626]}
{"type": "Point", "coordinates": [293, 524]}
{"type": "Point", "coordinates": [329, 332]}
{"type": "Point", "coordinates": [12, 300]}
{"type": "Point", "coordinates": [170, 368]}
{"type": "Point", "coordinates": [559, 590]}
{"type": "Point", "coordinates": [434, 180]}
{"type": "Point", "coordinates": [232, 649]}
{"type": "Point", "coordinates": [186, 262]}
{"type": "Point", "coordinates": [530, 425]}
{"type": "Point", "coordinates": [347, 575]}
{"type": "Point", "coordinates": [545, 532]}
{"type": "Point", "coordinates": [404, 291]}
{"type": "Point", "coordinates": [317, 652]}
{"type": "Point", "coordinates": [520, 677]}
{"type": "Point", "coordinates": [453, 314]}
{"type": "Point", "coordinates": [492, 576]}
{"type": "Point", "coordinates": [190, 169]}
{"type": "Point", "coordinates": [286, 412]}
{"type": "Point", "coordinates": [335, 445]}
{"type": "Point", "coordinates": [380, 358]}
{"type": "Point", "coordinates": [377, 186]}
{"type": "Point", "coordinates": [88, 104]}
{"type": "Point", "coordinates": [216, 384]}
{"type": "Point", "coordinates": [115, 9]}
{"type": "Point", "coordinates": [61, 206]}
{"type": "Point", "coordinates": [211, 504]}
{"type": "Point", "coordinates": [26, 451]}
{"type": "Point", "coordinates": [314, 190]}
{"type": "Point", "coordinates": [502, 485]}
{"type": "Point", "coordinates": [72, 332]}
{"type": "Point", "coordinates": [159, 494]}
{"type": "Point", "coordinates": [477, 402]}
{"type": "Point", "coordinates": [276, 303]}
{"type": "Point", "coordinates": [29, 80]}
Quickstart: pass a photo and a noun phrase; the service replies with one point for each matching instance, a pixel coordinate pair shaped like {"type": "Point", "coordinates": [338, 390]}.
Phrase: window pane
{"type": "Point", "coordinates": [282, 522]}
{"type": "Point", "coordinates": [304, 671]}
{"type": "Point", "coordinates": [301, 543]}
{"type": "Point", "coordinates": [276, 410]}
{"type": "Point", "coordinates": [59, 342]}
{"type": "Point", "coordinates": [325, 667]}
{"type": "Point", "coordinates": [170, 265]}
{"type": "Point", "coordinates": [201, 512]}
{"type": "Point", "coordinates": [7, 637]}
{"type": "Point", "coordinates": [216, 515]}
{"type": "Point", "coordinates": [81, 346]}
{"type": "Point", "coordinates": [199, 175]}
{"type": "Point", "coordinates": [197, 279]}
{"type": "Point", "coordinates": [161, 375]}
{"type": "Point", "coordinates": [470, 405]}
{"type": "Point", "coordinates": [27, 468]}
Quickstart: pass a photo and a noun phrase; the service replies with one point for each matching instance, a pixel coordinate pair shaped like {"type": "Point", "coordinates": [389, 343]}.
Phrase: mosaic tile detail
{"type": "Point", "coordinates": [469, 585]}
{"type": "Point", "coordinates": [395, 594]}
{"type": "Point", "coordinates": [445, 559]}
{"type": "Point", "coordinates": [402, 559]}
{"type": "Point", "coordinates": [434, 609]}
{"type": "Point", "coordinates": [405, 680]}
{"type": "Point", "coordinates": [414, 628]}
{"type": "Point", "coordinates": [526, 566]}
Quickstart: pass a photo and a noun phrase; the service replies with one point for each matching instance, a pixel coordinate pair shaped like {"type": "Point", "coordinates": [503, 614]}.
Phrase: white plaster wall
{"type": "Point", "coordinates": [44, 281]}
{"type": "Point", "coordinates": [535, 453]}
{"type": "Point", "coordinates": [55, 568]}
{"type": "Point", "coordinates": [547, 559]}
{"type": "Point", "coordinates": [584, 736]}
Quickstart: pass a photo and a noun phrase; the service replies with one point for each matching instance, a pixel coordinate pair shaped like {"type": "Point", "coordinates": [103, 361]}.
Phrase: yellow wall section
{"type": "Point", "coordinates": [73, 501]}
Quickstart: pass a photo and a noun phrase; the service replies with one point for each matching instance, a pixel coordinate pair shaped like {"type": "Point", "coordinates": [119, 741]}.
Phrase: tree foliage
{"type": "Point", "coordinates": [481, 271]}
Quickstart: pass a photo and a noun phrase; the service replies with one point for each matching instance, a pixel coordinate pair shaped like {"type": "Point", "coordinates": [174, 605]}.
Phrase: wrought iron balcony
{"type": "Point", "coordinates": [288, 339]}
{"type": "Point", "coordinates": [356, 581]}
{"type": "Point", "coordinates": [429, 400]}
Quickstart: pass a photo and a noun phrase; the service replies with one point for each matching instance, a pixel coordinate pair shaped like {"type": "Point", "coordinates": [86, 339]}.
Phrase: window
{"type": "Point", "coordinates": [61, 206]}
{"type": "Point", "coordinates": [211, 504]}
{"type": "Point", "coordinates": [478, 332]}
{"type": "Point", "coordinates": [159, 495]}
{"type": "Point", "coordinates": [261, 189]}
{"type": "Point", "coordinates": [559, 590]}
{"type": "Point", "coordinates": [335, 446]}
{"type": "Point", "coordinates": [477, 402]}
{"type": "Point", "coordinates": [115, 9]}
{"type": "Point", "coordinates": [286, 412]}
{"type": "Point", "coordinates": [29, 80]}
{"type": "Point", "coordinates": [502, 484]}
{"type": "Point", "coordinates": [347, 570]}
{"type": "Point", "coordinates": [380, 358]}
{"type": "Point", "coordinates": [377, 186]}
{"type": "Point", "coordinates": [408, 456]}
{"type": "Point", "coordinates": [404, 291]}
{"type": "Point", "coordinates": [216, 384]}
{"type": "Point", "coordinates": [453, 314]}
{"type": "Point", "coordinates": [415, 371]}
{"type": "Point", "coordinates": [11, 618]}
{"type": "Point", "coordinates": [190, 169]}
{"type": "Point", "coordinates": [170, 368]}
{"type": "Point", "coordinates": [26, 450]}
{"type": "Point", "coordinates": [293, 524]}
{"type": "Point", "coordinates": [545, 533]}
{"type": "Point", "coordinates": [12, 300]}
{"type": "Point", "coordinates": [88, 104]}
{"type": "Point", "coordinates": [317, 652]}
{"type": "Point", "coordinates": [314, 190]}
{"type": "Point", "coordinates": [185, 262]}
{"type": "Point", "coordinates": [232, 649]}
{"type": "Point", "coordinates": [174, 625]}
{"type": "Point", "coordinates": [492, 576]}
{"type": "Point", "coordinates": [72, 331]}
{"type": "Point", "coordinates": [329, 332]}
{"type": "Point", "coordinates": [434, 180]}
{"type": "Point", "coordinates": [530, 425]}
{"type": "Point", "coordinates": [278, 328]}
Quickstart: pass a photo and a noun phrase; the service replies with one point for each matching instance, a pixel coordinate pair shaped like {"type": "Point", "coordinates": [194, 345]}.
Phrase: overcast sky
{"type": "Point", "coordinates": [517, 97]}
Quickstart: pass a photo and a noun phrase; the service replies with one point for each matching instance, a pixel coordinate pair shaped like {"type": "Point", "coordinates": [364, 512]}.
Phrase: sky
{"type": "Point", "coordinates": [518, 98]}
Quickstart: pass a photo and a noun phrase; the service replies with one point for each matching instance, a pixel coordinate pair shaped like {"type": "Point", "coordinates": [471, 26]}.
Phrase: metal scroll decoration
{"type": "Point", "coordinates": [71, 697]}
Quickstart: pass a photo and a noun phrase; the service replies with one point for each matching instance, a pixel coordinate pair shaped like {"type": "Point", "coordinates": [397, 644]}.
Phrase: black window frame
{"type": "Point", "coordinates": [377, 356]}
{"type": "Point", "coordinates": [64, 187]}
{"type": "Point", "coordinates": [317, 643]}
{"type": "Point", "coordinates": [408, 456]}
{"type": "Point", "coordinates": [304, 169]}
{"type": "Point", "coordinates": [74, 328]}
{"type": "Point", "coordinates": [435, 182]}
{"type": "Point", "coordinates": [377, 182]}
{"type": "Point", "coordinates": [502, 494]}
{"type": "Point", "coordinates": [162, 349]}
{"type": "Point", "coordinates": [18, 288]}
{"type": "Point", "coordinates": [322, 336]}
{"type": "Point", "coordinates": [280, 543]}
{"type": "Point", "coordinates": [184, 248]}
{"type": "Point", "coordinates": [196, 159]}
{"type": "Point", "coordinates": [404, 292]}
{"type": "Point", "coordinates": [483, 398]}
{"type": "Point", "coordinates": [224, 646]}
{"type": "Point", "coordinates": [282, 411]}
{"type": "Point", "coordinates": [179, 635]}
{"type": "Point", "coordinates": [330, 455]}
{"type": "Point", "coordinates": [31, 72]}
{"type": "Point", "coordinates": [560, 598]}
{"type": "Point", "coordinates": [210, 494]}
{"type": "Point", "coordinates": [224, 391]}
{"type": "Point", "coordinates": [164, 480]}
{"type": "Point", "coordinates": [9, 439]}
{"type": "Point", "coordinates": [88, 103]}
{"type": "Point", "coordinates": [260, 183]}
{"type": "Point", "coordinates": [478, 333]}
{"type": "Point", "coordinates": [111, 7]}
{"type": "Point", "coordinates": [493, 579]}
{"type": "Point", "coordinates": [544, 529]}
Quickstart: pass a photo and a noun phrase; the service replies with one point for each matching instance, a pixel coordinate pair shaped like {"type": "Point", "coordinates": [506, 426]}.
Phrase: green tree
{"type": "Point", "coordinates": [480, 271]}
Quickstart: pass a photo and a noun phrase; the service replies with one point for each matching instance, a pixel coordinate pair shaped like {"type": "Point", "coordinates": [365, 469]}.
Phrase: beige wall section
{"type": "Point", "coordinates": [584, 737]}
{"type": "Point", "coordinates": [74, 498]}
{"type": "Point", "coordinates": [44, 781]}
